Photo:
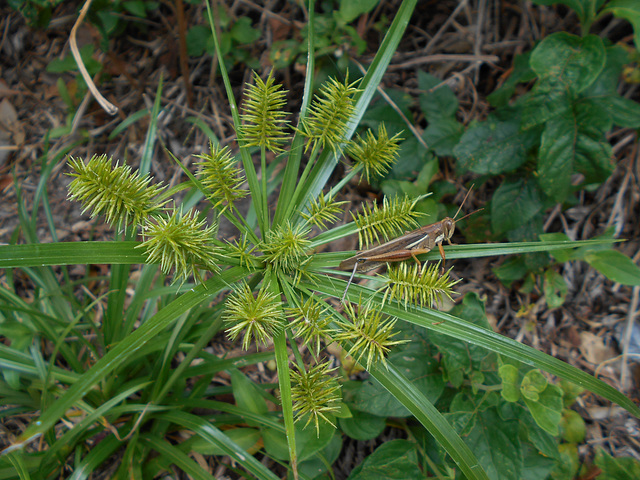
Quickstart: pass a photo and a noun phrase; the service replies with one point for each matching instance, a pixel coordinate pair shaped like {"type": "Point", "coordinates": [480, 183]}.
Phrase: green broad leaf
{"type": "Point", "coordinates": [571, 392]}
{"type": "Point", "coordinates": [533, 383]}
{"type": "Point", "coordinates": [458, 357]}
{"type": "Point", "coordinates": [535, 465]}
{"type": "Point", "coordinates": [413, 156]}
{"type": "Point", "coordinates": [308, 442]}
{"type": "Point", "coordinates": [615, 266]}
{"type": "Point", "coordinates": [568, 464]}
{"type": "Point", "coordinates": [608, 80]}
{"type": "Point", "coordinates": [137, 8]}
{"type": "Point", "coordinates": [555, 289]}
{"type": "Point", "coordinates": [198, 40]}
{"type": "Point", "coordinates": [362, 425]}
{"type": "Point", "coordinates": [416, 362]}
{"type": "Point", "coordinates": [603, 92]}
{"type": "Point", "coordinates": [243, 33]}
{"type": "Point", "coordinates": [352, 9]}
{"type": "Point", "coordinates": [630, 11]}
{"type": "Point", "coordinates": [322, 461]}
{"type": "Point", "coordinates": [68, 63]}
{"type": "Point", "coordinates": [547, 409]}
{"type": "Point", "coordinates": [429, 170]}
{"type": "Point", "coordinates": [560, 255]}
{"type": "Point", "coordinates": [557, 156]}
{"type": "Point", "coordinates": [623, 111]}
{"type": "Point", "coordinates": [622, 468]}
{"type": "Point", "coordinates": [443, 135]}
{"type": "Point", "coordinates": [575, 141]}
{"type": "Point", "coordinates": [512, 270]}
{"type": "Point", "coordinates": [497, 446]}
{"type": "Point", "coordinates": [544, 442]}
{"type": "Point", "coordinates": [246, 438]}
{"type": "Point", "coordinates": [438, 101]}
{"type": "Point", "coordinates": [381, 111]}
{"type": "Point", "coordinates": [400, 188]}
{"type": "Point", "coordinates": [477, 380]}
{"type": "Point", "coordinates": [392, 460]}
{"type": "Point", "coordinates": [573, 429]}
{"type": "Point", "coordinates": [571, 60]}
{"type": "Point", "coordinates": [493, 147]}
{"type": "Point", "coordinates": [594, 155]}
{"type": "Point", "coordinates": [521, 72]}
{"type": "Point", "coordinates": [514, 204]}
{"type": "Point", "coordinates": [246, 393]}
{"type": "Point", "coordinates": [463, 411]}
{"type": "Point", "coordinates": [510, 383]}
{"type": "Point", "coordinates": [431, 210]}
{"type": "Point", "coordinates": [547, 99]}
{"type": "Point", "coordinates": [592, 117]}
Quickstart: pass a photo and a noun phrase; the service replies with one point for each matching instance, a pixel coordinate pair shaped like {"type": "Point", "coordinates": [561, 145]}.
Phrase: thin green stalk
{"type": "Point", "coordinates": [368, 86]}
{"type": "Point", "coordinates": [284, 382]}
{"type": "Point", "coordinates": [282, 362]}
{"type": "Point", "coordinates": [290, 180]}
{"type": "Point", "coordinates": [295, 204]}
{"type": "Point", "coordinates": [263, 166]}
{"type": "Point", "coordinates": [290, 295]}
{"type": "Point", "coordinates": [247, 163]}
{"type": "Point", "coordinates": [152, 132]}
{"type": "Point", "coordinates": [345, 180]}
{"type": "Point", "coordinates": [214, 327]}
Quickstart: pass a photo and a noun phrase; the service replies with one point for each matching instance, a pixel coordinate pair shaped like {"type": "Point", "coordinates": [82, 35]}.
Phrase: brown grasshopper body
{"type": "Point", "coordinates": [409, 245]}
{"type": "Point", "coordinates": [421, 240]}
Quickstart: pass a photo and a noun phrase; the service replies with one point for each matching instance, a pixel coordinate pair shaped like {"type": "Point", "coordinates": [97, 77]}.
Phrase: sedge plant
{"type": "Point", "coordinates": [274, 293]}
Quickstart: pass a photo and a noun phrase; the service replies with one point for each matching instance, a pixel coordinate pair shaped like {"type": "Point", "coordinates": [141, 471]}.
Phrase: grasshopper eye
{"type": "Point", "coordinates": [449, 226]}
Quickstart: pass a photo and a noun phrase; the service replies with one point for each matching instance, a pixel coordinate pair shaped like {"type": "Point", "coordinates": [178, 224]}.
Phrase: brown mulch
{"type": "Point", "coordinates": [584, 332]}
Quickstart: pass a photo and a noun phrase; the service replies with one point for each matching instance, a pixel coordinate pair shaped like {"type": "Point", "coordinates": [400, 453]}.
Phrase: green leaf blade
{"type": "Point", "coordinates": [615, 266]}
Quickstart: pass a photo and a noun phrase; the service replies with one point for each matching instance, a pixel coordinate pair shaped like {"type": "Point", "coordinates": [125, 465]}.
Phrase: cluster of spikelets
{"type": "Point", "coordinates": [185, 243]}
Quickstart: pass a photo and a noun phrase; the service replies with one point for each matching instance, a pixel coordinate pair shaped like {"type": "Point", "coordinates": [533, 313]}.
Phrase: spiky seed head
{"type": "Point", "coordinates": [124, 197]}
{"type": "Point", "coordinates": [315, 395]}
{"type": "Point", "coordinates": [375, 154]}
{"type": "Point", "coordinates": [369, 332]}
{"type": "Point", "coordinates": [310, 321]}
{"type": "Point", "coordinates": [323, 211]}
{"type": "Point", "coordinates": [394, 218]}
{"type": "Point", "coordinates": [242, 249]}
{"type": "Point", "coordinates": [329, 114]}
{"type": "Point", "coordinates": [418, 286]}
{"type": "Point", "coordinates": [286, 247]}
{"type": "Point", "coordinates": [263, 117]}
{"type": "Point", "coordinates": [258, 317]}
{"type": "Point", "coordinates": [182, 242]}
{"type": "Point", "coordinates": [219, 173]}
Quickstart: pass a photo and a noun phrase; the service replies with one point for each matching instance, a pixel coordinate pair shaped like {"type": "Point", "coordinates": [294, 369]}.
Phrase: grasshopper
{"type": "Point", "coordinates": [409, 245]}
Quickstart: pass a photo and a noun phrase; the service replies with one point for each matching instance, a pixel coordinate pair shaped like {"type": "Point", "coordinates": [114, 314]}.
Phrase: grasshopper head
{"type": "Point", "coordinates": [448, 227]}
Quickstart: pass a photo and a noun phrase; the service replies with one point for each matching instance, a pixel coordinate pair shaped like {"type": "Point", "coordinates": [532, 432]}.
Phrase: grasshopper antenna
{"type": "Point", "coordinates": [462, 204]}
{"type": "Point", "coordinates": [469, 214]}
